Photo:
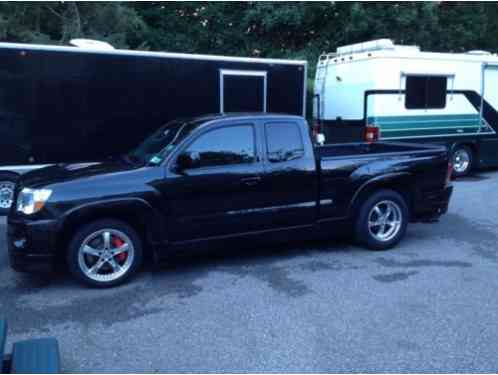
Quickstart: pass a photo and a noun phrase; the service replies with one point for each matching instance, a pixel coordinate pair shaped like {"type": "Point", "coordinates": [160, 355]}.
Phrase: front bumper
{"type": "Point", "coordinates": [432, 204]}
{"type": "Point", "coordinates": [31, 244]}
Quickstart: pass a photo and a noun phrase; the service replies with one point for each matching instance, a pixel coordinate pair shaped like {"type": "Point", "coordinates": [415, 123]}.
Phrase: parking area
{"type": "Point", "coordinates": [429, 305]}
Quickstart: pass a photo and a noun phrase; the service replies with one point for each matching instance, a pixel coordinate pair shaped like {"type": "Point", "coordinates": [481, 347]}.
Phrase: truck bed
{"type": "Point", "coordinates": [368, 149]}
{"type": "Point", "coordinates": [347, 168]}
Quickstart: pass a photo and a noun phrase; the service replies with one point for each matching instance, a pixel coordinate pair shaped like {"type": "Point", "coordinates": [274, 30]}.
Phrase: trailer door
{"type": "Point", "coordinates": [243, 91]}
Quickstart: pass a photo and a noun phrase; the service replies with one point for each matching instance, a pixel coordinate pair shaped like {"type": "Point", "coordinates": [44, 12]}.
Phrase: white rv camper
{"type": "Point", "coordinates": [381, 91]}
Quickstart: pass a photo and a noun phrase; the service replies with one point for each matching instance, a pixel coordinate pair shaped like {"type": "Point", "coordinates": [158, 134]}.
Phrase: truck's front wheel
{"type": "Point", "coordinates": [104, 253]}
{"type": "Point", "coordinates": [382, 220]}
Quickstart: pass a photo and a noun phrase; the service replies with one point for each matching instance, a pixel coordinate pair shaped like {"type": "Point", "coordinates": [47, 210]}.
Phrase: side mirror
{"type": "Point", "coordinates": [320, 139]}
{"type": "Point", "coordinates": [186, 161]}
{"type": "Point", "coordinates": [183, 162]}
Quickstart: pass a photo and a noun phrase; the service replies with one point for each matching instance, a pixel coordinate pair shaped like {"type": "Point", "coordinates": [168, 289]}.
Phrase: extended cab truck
{"type": "Point", "coordinates": [218, 177]}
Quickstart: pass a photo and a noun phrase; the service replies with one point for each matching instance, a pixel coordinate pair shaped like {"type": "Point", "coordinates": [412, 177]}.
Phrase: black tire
{"type": "Point", "coordinates": [365, 234]}
{"type": "Point", "coordinates": [114, 226]}
{"type": "Point", "coordinates": [461, 167]}
{"type": "Point", "coordinates": [7, 185]}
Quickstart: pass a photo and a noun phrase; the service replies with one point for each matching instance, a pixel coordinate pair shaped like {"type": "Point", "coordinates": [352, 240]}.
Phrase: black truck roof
{"type": "Point", "coordinates": [239, 115]}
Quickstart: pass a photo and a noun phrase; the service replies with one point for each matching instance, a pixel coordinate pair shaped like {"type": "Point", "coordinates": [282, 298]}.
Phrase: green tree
{"type": "Point", "coordinates": [267, 29]}
{"type": "Point", "coordinates": [57, 23]}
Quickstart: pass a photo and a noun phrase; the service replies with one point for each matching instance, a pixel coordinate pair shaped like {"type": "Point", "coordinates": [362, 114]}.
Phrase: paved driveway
{"type": "Point", "coordinates": [429, 305]}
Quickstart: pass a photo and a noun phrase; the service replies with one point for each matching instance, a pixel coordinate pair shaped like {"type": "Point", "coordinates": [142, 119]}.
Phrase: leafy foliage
{"type": "Point", "coordinates": [267, 29]}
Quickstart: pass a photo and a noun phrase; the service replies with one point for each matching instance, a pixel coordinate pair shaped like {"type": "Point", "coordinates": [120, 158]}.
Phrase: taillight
{"type": "Point", "coordinates": [449, 172]}
{"type": "Point", "coordinates": [371, 133]}
{"type": "Point", "coordinates": [315, 127]}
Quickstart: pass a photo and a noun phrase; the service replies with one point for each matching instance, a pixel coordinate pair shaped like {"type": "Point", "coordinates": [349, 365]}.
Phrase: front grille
{"type": "Point", "coordinates": [15, 231]}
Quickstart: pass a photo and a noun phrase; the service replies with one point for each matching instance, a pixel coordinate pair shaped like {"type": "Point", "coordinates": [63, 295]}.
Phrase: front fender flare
{"type": "Point", "coordinates": [153, 222]}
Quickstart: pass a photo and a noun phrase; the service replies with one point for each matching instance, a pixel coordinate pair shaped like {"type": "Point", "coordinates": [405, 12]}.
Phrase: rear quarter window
{"type": "Point", "coordinates": [284, 141]}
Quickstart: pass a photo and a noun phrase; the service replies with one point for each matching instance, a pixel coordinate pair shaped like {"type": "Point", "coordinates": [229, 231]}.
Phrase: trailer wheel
{"type": "Point", "coordinates": [7, 186]}
{"type": "Point", "coordinates": [462, 159]}
{"type": "Point", "coordinates": [382, 219]}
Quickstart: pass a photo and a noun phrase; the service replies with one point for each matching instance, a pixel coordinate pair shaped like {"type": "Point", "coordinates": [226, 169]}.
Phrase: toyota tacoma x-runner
{"type": "Point", "coordinates": [211, 179]}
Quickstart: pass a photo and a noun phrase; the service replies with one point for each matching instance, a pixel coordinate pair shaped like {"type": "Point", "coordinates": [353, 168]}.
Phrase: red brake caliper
{"type": "Point", "coordinates": [118, 242]}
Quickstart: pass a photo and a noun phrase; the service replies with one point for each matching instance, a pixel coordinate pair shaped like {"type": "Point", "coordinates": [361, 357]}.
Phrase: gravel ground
{"type": "Point", "coordinates": [430, 305]}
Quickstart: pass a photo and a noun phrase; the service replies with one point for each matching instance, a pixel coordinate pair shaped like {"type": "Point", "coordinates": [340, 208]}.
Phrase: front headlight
{"type": "Point", "coordinates": [30, 201]}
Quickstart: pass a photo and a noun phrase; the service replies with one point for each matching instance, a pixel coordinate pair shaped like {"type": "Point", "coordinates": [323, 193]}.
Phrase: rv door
{"type": "Point", "coordinates": [489, 119]}
{"type": "Point", "coordinates": [243, 91]}
{"type": "Point", "coordinates": [489, 86]}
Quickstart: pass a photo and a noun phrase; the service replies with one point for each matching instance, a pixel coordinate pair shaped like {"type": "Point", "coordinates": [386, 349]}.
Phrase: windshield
{"type": "Point", "coordinates": [154, 149]}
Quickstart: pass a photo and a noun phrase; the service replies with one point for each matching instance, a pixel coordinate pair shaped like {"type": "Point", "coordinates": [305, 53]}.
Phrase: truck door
{"type": "Point", "coordinates": [290, 180]}
{"type": "Point", "coordinates": [217, 196]}
{"type": "Point", "coordinates": [243, 91]}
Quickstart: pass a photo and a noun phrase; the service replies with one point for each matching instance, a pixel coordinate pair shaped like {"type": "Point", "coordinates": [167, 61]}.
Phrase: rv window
{"type": "Point", "coordinates": [425, 92]}
{"type": "Point", "coordinates": [436, 92]}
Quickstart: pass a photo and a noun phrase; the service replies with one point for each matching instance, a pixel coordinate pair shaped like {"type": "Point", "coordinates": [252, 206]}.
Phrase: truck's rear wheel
{"type": "Point", "coordinates": [104, 253]}
{"type": "Point", "coordinates": [382, 220]}
{"type": "Point", "coordinates": [462, 159]}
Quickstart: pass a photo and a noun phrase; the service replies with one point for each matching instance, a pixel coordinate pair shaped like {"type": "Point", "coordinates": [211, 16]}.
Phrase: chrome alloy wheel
{"type": "Point", "coordinates": [106, 255]}
{"type": "Point", "coordinates": [6, 194]}
{"type": "Point", "coordinates": [461, 160]}
{"type": "Point", "coordinates": [384, 220]}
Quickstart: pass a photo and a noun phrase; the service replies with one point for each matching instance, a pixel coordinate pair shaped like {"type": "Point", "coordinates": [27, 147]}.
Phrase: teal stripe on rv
{"type": "Point", "coordinates": [415, 125]}
{"type": "Point", "coordinates": [471, 116]}
{"type": "Point", "coordinates": [430, 125]}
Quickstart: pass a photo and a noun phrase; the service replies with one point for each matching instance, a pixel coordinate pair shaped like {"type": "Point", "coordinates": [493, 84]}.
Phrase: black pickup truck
{"type": "Point", "coordinates": [215, 178]}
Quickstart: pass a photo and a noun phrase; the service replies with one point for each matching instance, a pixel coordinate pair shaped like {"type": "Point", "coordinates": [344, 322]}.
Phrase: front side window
{"type": "Point", "coordinates": [224, 146]}
{"type": "Point", "coordinates": [425, 92]}
{"type": "Point", "coordinates": [284, 141]}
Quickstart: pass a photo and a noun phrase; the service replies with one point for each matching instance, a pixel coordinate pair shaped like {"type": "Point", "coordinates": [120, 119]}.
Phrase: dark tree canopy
{"type": "Point", "coordinates": [279, 29]}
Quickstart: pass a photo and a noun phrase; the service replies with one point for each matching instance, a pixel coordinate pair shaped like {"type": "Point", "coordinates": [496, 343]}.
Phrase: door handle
{"type": "Point", "coordinates": [250, 181]}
